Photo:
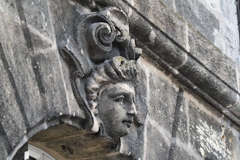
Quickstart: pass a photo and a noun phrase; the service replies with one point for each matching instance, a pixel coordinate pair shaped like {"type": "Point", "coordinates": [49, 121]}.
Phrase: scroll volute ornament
{"type": "Point", "coordinates": [102, 61]}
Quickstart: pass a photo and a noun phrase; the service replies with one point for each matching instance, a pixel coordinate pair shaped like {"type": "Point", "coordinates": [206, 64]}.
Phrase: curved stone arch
{"type": "Point", "coordinates": [64, 138]}
{"type": "Point", "coordinates": [75, 122]}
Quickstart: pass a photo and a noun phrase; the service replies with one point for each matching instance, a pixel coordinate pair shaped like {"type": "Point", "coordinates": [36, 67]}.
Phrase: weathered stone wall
{"type": "Point", "coordinates": [182, 126]}
{"type": "Point", "coordinates": [216, 20]}
{"type": "Point", "coordinates": [180, 122]}
{"type": "Point", "coordinates": [33, 85]}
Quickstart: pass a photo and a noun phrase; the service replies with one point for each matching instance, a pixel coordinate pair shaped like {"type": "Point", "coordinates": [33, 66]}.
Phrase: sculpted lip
{"type": "Point", "coordinates": [128, 123]}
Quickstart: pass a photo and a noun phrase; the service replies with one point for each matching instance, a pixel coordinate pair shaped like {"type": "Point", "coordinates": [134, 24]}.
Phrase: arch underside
{"type": "Point", "coordinates": [65, 142]}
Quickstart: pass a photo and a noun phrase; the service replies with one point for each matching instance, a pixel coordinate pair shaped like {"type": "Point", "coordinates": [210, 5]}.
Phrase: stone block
{"type": "Point", "coordinates": [158, 43]}
{"type": "Point", "coordinates": [17, 57]}
{"type": "Point", "coordinates": [37, 15]}
{"type": "Point", "coordinates": [65, 16]}
{"type": "Point", "coordinates": [212, 58]}
{"type": "Point", "coordinates": [157, 143]}
{"type": "Point", "coordinates": [164, 19]}
{"type": "Point", "coordinates": [236, 144]}
{"type": "Point", "coordinates": [30, 53]}
{"type": "Point", "coordinates": [216, 20]}
{"type": "Point", "coordinates": [3, 149]}
{"type": "Point", "coordinates": [211, 137]}
{"type": "Point", "coordinates": [68, 11]}
{"type": "Point", "coordinates": [199, 16]}
{"type": "Point", "coordinates": [201, 48]}
{"type": "Point", "coordinates": [12, 116]}
{"type": "Point", "coordinates": [183, 152]}
{"type": "Point", "coordinates": [169, 3]}
{"type": "Point", "coordinates": [13, 124]}
{"type": "Point", "coordinates": [162, 100]}
{"type": "Point", "coordinates": [50, 81]}
{"type": "Point", "coordinates": [46, 61]}
{"type": "Point", "coordinates": [208, 83]}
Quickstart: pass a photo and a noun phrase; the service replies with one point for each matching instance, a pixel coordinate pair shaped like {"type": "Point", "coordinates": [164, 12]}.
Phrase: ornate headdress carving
{"type": "Point", "coordinates": [102, 48]}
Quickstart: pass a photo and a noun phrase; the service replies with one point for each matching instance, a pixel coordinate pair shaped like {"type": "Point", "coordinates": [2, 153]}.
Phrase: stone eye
{"type": "Point", "coordinates": [119, 99]}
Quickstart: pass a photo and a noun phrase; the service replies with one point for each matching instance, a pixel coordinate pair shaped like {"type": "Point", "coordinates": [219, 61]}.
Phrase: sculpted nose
{"type": "Point", "coordinates": [132, 110]}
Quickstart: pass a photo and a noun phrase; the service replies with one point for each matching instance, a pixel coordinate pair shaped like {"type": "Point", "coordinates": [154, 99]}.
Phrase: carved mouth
{"type": "Point", "coordinates": [128, 123]}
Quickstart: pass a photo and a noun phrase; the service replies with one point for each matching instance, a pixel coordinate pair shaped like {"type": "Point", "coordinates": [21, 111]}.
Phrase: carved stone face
{"type": "Point", "coordinates": [116, 106]}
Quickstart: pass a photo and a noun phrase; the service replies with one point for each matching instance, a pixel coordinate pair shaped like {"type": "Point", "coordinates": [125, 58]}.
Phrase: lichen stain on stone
{"type": "Point", "coordinates": [211, 141]}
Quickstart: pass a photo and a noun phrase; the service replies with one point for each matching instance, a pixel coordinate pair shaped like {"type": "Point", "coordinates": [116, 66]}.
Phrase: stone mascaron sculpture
{"type": "Point", "coordinates": [102, 62]}
{"type": "Point", "coordinates": [111, 96]}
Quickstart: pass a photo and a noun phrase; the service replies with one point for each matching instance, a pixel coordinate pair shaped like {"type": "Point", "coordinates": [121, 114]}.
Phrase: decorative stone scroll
{"type": "Point", "coordinates": [102, 62]}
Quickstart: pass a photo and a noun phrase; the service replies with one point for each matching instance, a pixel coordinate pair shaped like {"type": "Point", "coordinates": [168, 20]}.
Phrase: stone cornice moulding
{"type": "Point", "coordinates": [185, 67]}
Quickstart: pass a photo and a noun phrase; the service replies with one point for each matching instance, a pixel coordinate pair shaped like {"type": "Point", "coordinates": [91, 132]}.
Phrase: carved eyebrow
{"type": "Point", "coordinates": [128, 94]}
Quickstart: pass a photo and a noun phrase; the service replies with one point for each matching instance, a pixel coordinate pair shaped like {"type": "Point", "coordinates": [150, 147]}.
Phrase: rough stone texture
{"type": "Point", "coordinates": [196, 131]}
{"type": "Point", "coordinates": [215, 68]}
{"type": "Point", "coordinates": [199, 16]}
{"type": "Point", "coordinates": [35, 82]}
{"type": "Point", "coordinates": [182, 130]}
{"type": "Point", "coordinates": [209, 84]}
{"type": "Point", "coordinates": [180, 30]}
{"type": "Point", "coordinates": [32, 81]}
{"type": "Point", "coordinates": [208, 133]}
{"type": "Point", "coordinates": [183, 153]}
{"type": "Point", "coordinates": [164, 19]}
{"type": "Point", "coordinates": [236, 144]}
{"type": "Point", "coordinates": [40, 88]}
{"type": "Point", "coordinates": [209, 137]}
{"type": "Point", "coordinates": [211, 56]}
{"type": "Point", "coordinates": [157, 143]}
{"type": "Point", "coordinates": [3, 150]}
{"type": "Point", "coordinates": [13, 123]}
{"type": "Point", "coordinates": [216, 20]}
{"type": "Point", "coordinates": [162, 100]}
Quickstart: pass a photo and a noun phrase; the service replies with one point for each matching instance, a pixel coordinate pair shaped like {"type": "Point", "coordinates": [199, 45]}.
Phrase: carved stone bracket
{"type": "Point", "coordinates": [102, 62]}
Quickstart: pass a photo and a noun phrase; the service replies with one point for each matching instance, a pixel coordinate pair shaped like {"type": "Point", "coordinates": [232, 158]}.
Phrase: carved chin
{"type": "Point", "coordinates": [124, 130]}
{"type": "Point", "coordinates": [120, 131]}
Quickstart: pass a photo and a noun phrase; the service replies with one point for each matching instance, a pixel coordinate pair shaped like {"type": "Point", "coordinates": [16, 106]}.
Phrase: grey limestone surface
{"type": "Point", "coordinates": [217, 71]}
{"type": "Point", "coordinates": [157, 143]}
{"type": "Point", "coordinates": [32, 86]}
{"type": "Point", "coordinates": [35, 85]}
{"type": "Point", "coordinates": [210, 137]}
{"type": "Point", "coordinates": [187, 128]}
{"type": "Point", "coordinates": [216, 20]}
{"type": "Point", "coordinates": [3, 151]}
{"type": "Point", "coordinates": [162, 101]}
